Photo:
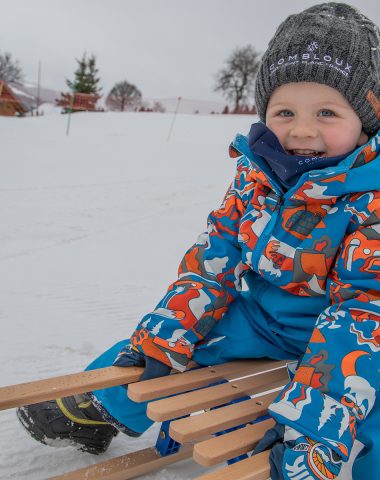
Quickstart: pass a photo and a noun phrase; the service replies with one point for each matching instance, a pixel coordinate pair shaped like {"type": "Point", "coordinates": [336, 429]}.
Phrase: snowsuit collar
{"type": "Point", "coordinates": [358, 172]}
{"type": "Point", "coordinates": [287, 168]}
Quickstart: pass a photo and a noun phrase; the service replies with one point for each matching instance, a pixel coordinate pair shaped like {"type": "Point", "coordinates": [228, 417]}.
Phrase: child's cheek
{"type": "Point", "coordinates": [339, 142]}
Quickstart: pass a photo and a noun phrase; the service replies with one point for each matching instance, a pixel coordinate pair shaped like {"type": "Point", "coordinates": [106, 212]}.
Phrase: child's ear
{"type": "Point", "coordinates": [362, 139]}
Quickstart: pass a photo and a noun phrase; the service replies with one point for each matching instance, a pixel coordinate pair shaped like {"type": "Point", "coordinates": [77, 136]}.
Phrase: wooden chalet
{"type": "Point", "coordinates": [10, 105]}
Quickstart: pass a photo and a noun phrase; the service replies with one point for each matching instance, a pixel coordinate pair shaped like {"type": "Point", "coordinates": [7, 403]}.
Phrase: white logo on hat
{"type": "Point", "coordinates": [310, 56]}
{"type": "Point", "coordinates": [312, 46]}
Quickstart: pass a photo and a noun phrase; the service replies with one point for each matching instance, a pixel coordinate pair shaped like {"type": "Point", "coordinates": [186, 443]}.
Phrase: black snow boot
{"type": "Point", "coordinates": [69, 420]}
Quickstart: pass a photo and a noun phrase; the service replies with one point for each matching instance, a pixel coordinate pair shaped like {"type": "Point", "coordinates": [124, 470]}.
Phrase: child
{"type": "Point", "coordinates": [301, 223]}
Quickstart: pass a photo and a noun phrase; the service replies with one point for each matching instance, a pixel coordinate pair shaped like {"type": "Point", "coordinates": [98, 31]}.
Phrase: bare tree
{"type": "Point", "coordinates": [158, 107]}
{"type": "Point", "coordinates": [10, 70]}
{"type": "Point", "coordinates": [236, 80]}
{"type": "Point", "coordinates": [123, 95]}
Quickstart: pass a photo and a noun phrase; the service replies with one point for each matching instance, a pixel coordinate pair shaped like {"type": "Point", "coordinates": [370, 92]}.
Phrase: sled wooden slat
{"type": "Point", "coordinates": [51, 388]}
{"type": "Point", "coordinates": [127, 466]}
{"type": "Point", "coordinates": [230, 445]}
{"type": "Point", "coordinates": [190, 392]}
{"type": "Point", "coordinates": [198, 378]}
{"type": "Point", "coordinates": [251, 468]}
{"type": "Point", "coordinates": [197, 426]}
{"type": "Point", "coordinates": [190, 402]}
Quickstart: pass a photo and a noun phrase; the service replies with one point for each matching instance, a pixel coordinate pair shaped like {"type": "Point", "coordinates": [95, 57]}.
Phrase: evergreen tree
{"type": "Point", "coordinates": [85, 82]}
{"type": "Point", "coordinates": [85, 76]}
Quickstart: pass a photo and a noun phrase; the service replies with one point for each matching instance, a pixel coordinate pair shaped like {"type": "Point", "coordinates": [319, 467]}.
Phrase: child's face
{"type": "Point", "coordinates": [313, 119]}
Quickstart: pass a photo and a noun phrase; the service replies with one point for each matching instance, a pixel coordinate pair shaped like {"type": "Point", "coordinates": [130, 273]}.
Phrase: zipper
{"type": "Point", "coordinates": [242, 146]}
{"type": "Point", "coordinates": [264, 237]}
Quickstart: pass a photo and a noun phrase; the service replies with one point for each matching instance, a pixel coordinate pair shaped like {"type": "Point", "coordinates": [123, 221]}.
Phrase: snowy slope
{"type": "Point", "coordinates": [93, 227]}
{"type": "Point", "coordinates": [187, 105]}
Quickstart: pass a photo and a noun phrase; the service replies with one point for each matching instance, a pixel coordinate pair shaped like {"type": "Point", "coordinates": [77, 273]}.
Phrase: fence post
{"type": "Point", "coordinates": [174, 117]}
{"type": "Point", "coordinates": [69, 114]}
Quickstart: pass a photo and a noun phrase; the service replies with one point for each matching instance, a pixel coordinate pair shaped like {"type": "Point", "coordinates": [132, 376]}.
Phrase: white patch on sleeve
{"type": "Point", "coordinates": [146, 322]}
{"type": "Point", "coordinates": [197, 305]}
{"type": "Point", "coordinates": [287, 409]}
{"type": "Point", "coordinates": [216, 265]}
{"type": "Point", "coordinates": [165, 312]}
{"type": "Point", "coordinates": [332, 210]}
{"type": "Point", "coordinates": [266, 265]}
{"type": "Point", "coordinates": [202, 239]}
{"type": "Point", "coordinates": [175, 336]}
{"type": "Point", "coordinates": [259, 225]}
{"type": "Point", "coordinates": [157, 328]}
{"type": "Point", "coordinates": [317, 192]}
{"type": "Point", "coordinates": [175, 364]}
{"type": "Point", "coordinates": [298, 470]}
{"type": "Point", "coordinates": [314, 285]}
{"type": "Point", "coordinates": [210, 342]}
{"type": "Point", "coordinates": [237, 273]}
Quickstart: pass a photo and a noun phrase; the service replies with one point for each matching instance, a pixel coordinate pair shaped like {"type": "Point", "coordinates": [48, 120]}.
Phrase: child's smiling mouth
{"type": "Point", "coordinates": [304, 152]}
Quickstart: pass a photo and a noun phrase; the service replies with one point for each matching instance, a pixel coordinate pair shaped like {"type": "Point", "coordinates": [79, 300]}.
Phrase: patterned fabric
{"type": "Point", "coordinates": [320, 239]}
{"type": "Point", "coordinates": [304, 458]}
{"type": "Point", "coordinates": [294, 455]}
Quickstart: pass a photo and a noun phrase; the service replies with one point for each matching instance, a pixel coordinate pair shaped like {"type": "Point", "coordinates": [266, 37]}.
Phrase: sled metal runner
{"type": "Point", "coordinates": [229, 401]}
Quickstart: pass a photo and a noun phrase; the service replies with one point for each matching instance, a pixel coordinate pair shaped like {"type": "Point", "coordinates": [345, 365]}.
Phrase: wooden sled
{"type": "Point", "coordinates": [214, 414]}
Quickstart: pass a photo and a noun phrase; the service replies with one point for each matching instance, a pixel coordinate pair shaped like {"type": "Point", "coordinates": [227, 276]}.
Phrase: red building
{"type": "Point", "coordinates": [82, 102]}
{"type": "Point", "coordinates": [10, 105]}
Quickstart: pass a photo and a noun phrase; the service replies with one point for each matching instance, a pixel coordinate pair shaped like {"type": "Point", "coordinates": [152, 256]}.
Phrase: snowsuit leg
{"type": "Point", "coordinates": [122, 410]}
{"type": "Point", "coordinates": [244, 332]}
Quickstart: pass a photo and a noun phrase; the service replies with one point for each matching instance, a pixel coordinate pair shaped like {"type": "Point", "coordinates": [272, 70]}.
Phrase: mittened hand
{"type": "Point", "coordinates": [128, 357]}
{"type": "Point", "coordinates": [295, 456]}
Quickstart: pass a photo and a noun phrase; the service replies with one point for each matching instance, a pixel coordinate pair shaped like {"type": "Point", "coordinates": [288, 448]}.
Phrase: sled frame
{"type": "Point", "coordinates": [214, 414]}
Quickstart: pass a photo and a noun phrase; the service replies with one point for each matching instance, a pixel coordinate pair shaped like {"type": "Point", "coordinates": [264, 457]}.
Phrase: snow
{"type": "Point", "coordinates": [187, 105]}
{"type": "Point", "coordinates": [20, 93]}
{"type": "Point", "coordinates": [48, 108]}
{"type": "Point", "coordinates": [93, 227]}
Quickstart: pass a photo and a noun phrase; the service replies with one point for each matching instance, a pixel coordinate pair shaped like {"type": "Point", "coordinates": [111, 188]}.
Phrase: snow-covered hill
{"type": "Point", "coordinates": [93, 227]}
{"type": "Point", "coordinates": [187, 105]}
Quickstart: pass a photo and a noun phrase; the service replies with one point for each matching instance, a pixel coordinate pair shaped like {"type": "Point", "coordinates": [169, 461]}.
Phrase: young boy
{"type": "Point", "coordinates": [301, 223]}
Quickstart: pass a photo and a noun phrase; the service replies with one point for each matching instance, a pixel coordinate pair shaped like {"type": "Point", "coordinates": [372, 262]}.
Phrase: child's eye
{"type": "Point", "coordinates": [285, 113]}
{"type": "Point", "coordinates": [326, 113]}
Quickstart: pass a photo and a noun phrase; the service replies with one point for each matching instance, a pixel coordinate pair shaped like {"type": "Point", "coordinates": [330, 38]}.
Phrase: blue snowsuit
{"type": "Point", "coordinates": [310, 258]}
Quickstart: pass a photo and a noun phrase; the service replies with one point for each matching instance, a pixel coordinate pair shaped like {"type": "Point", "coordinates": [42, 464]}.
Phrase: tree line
{"type": "Point", "coordinates": [235, 81]}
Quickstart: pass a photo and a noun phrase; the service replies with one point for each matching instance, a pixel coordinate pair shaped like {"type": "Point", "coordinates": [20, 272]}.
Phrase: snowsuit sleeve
{"type": "Point", "coordinates": [337, 382]}
{"type": "Point", "coordinates": [209, 278]}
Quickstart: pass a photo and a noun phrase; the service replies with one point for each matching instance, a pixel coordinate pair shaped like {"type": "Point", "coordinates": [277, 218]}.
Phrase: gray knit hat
{"type": "Point", "coordinates": [332, 44]}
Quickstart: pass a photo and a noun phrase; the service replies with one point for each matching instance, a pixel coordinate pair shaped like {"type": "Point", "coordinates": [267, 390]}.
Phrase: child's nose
{"type": "Point", "coordinates": [303, 128]}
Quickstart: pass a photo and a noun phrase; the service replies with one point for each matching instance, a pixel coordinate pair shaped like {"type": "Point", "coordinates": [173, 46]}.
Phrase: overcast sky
{"type": "Point", "coordinates": [165, 47]}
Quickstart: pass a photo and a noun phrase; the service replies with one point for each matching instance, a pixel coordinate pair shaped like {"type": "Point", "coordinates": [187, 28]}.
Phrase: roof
{"type": "Point", "coordinates": [7, 95]}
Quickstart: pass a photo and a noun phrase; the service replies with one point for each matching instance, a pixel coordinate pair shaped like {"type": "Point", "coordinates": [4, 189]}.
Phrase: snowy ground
{"type": "Point", "coordinates": [93, 227]}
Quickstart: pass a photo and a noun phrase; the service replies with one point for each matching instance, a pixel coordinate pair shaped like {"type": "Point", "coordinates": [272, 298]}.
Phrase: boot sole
{"type": "Point", "coordinates": [32, 427]}
{"type": "Point", "coordinates": [37, 433]}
